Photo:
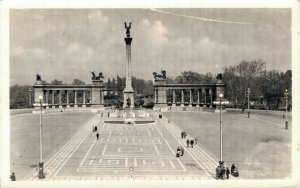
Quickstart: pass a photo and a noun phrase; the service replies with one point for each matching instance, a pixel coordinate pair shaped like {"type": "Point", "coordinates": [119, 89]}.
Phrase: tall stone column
{"type": "Point", "coordinates": [83, 98]}
{"type": "Point", "coordinates": [59, 98]}
{"type": "Point", "coordinates": [211, 99]}
{"type": "Point", "coordinates": [204, 101]}
{"type": "Point", "coordinates": [174, 98]}
{"type": "Point", "coordinates": [128, 91]}
{"type": "Point", "coordinates": [191, 98]}
{"type": "Point", "coordinates": [75, 99]}
{"type": "Point", "coordinates": [52, 98]}
{"type": "Point", "coordinates": [47, 98]}
{"type": "Point", "coordinates": [68, 103]}
{"type": "Point", "coordinates": [182, 98]}
{"type": "Point", "coordinates": [198, 98]}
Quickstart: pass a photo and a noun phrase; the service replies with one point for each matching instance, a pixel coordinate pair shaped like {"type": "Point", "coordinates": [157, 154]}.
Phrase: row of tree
{"type": "Point", "coordinates": [266, 87]}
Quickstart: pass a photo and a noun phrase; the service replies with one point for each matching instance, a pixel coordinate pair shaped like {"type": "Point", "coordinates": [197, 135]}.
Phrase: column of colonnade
{"type": "Point", "coordinates": [204, 97]}
{"type": "Point", "coordinates": [49, 97]}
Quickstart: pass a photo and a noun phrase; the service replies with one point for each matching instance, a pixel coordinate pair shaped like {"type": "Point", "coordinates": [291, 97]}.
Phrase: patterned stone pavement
{"type": "Point", "coordinates": [139, 151]}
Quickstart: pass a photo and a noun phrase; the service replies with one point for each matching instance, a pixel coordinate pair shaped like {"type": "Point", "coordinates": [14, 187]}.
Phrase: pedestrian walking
{"type": "Point", "coordinates": [218, 172]}
{"type": "Point", "coordinates": [96, 128]}
{"type": "Point", "coordinates": [182, 134]}
{"type": "Point", "coordinates": [97, 135]}
{"type": "Point", "coordinates": [196, 140]}
{"type": "Point", "coordinates": [187, 142]}
{"type": "Point", "coordinates": [178, 152]}
{"type": "Point", "coordinates": [223, 173]}
{"type": "Point", "coordinates": [192, 143]}
{"type": "Point", "coordinates": [227, 172]}
{"type": "Point", "coordinates": [13, 177]}
{"type": "Point", "coordinates": [182, 151]}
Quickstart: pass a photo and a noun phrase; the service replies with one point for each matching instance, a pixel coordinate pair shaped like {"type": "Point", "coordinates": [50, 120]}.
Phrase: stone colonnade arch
{"type": "Point", "coordinates": [54, 96]}
{"type": "Point", "coordinates": [199, 95]}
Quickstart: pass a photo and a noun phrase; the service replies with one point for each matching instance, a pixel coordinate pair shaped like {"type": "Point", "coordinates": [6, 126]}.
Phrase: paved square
{"type": "Point", "coordinates": [149, 149]}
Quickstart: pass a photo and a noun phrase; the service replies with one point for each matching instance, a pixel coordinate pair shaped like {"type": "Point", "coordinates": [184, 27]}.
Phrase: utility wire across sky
{"type": "Point", "coordinates": [201, 18]}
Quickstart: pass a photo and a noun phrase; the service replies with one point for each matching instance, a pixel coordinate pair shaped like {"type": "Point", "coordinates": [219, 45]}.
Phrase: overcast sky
{"type": "Point", "coordinates": [67, 44]}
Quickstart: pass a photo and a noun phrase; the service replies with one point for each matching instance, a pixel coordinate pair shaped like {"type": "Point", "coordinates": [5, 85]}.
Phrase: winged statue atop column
{"type": "Point", "coordinates": [127, 29]}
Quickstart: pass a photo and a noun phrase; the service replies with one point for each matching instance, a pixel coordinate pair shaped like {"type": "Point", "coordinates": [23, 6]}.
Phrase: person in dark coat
{"type": "Point", "coordinates": [227, 172]}
{"type": "Point", "coordinates": [178, 152]}
{"type": "Point", "coordinates": [218, 172]}
{"type": "Point", "coordinates": [97, 135]}
{"type": "Point", "coordinates": [182, 134]}
{"type": "Point", "coordinates": [232, 168]}
{"type": "Point", "coordinates": [13, 177]}
{"type": "Point", "coordinates": [223, 173]}
{"type": "Point", "coordinates": [182, 151]}
{"type": "Point", "coordinates": [187, 142]}
{"type": "Point", "coordinates": [192, 143]}
{"type": "Point", "coordinates": [96, 128]}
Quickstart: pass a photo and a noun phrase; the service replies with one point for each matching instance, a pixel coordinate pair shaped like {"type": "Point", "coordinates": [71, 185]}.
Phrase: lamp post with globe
{"type": "Point", "coordinates": [41, 163]}
{"type": "Point", "coordinates": [221, 162]}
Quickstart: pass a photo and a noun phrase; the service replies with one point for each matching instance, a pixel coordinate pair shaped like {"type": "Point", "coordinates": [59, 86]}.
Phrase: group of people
{"type": "Point", "coordinates": [13, 177]}
{"type": "Point", "coordinates": [180, 152]}
{"type": "Point", "coordinates": [95, 130]}
{"type": "Point", "coordinates": [189, 140]}
{"type": "Point", "coordinates": [221, 171]}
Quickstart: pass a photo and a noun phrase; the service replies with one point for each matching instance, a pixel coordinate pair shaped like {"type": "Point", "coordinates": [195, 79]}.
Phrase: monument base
{"type": "Point", "coordinates": [128, 96]}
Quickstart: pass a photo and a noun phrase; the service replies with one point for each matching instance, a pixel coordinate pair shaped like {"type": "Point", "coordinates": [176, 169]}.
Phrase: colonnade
{"type": "Point", "coordinates": [196, 97]}
{"type": "Point", "coordinates": [67, 95]}
{"type": "Point", "coordinates": [49, 96]}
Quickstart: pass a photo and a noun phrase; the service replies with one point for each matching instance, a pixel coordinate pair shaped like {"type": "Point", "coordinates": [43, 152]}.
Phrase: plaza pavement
{"type": "Point", "coordinates": [148, 148]}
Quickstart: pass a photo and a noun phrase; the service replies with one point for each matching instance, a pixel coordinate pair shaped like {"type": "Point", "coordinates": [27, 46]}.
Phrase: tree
{"type": "Point", "coordinates": [19, 96]}
{"type": "Point", "coordinates": [188, 77]}
{"type": "Point", "coordinates": [109, 87]}
{"type": "Point", "coordinates": [78, 82]}
{"type": "Point", "coordinates": [56, 82]}
{"type": "Point", "coordinates": [241, 77]}
{"type": "Point", "coordinates": [277, 83]}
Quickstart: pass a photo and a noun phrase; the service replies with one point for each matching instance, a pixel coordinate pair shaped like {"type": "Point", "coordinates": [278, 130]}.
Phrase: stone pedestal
{"type": "Point", "coordinates": [128, 92]}
{"type": "Point", "coordinates": [128, 95]}
{"type": "Point", "coordinates": [97, 93]}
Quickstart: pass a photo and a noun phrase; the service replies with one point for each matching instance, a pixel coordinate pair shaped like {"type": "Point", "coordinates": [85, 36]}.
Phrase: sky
{"type": "Point", "coordinates": [65, 44]}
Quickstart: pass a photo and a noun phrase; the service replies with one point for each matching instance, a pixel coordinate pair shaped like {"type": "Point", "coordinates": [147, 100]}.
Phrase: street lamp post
{"type": "Point", "coordinates": [248, 95]}
{"type": "Point", "coordinates": [286, 108]}
{"type": "Point", "coordinates": [221, 162]}
{"type": "Point", "coordinates": [41, 163]}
